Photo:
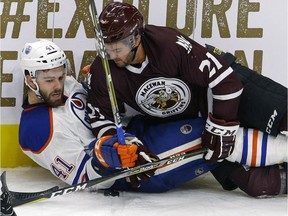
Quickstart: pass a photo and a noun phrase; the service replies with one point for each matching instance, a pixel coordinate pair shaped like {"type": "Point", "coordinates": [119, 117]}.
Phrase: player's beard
{"type": "Point", "coordinates": [127, 61]}
{"type": "Point", "coordinates": [52, 102]}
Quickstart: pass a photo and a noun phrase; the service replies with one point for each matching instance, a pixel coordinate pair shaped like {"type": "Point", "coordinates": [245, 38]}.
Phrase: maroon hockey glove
{"type": "Point", "coordinates": [145, 156]}
{"type": "Point", "coordinates": [219, 137]}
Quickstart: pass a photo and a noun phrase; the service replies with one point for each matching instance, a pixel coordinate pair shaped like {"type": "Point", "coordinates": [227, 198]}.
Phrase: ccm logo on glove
{"type": "Point", "coordinates": [219, 137]}
{"type": "Point", "coordinates": [221, 130]}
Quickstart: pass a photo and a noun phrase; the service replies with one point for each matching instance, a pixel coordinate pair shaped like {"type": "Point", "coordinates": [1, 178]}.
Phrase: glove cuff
{"type": "Point", "coordinates": [226, 129]}
{"type": "Point", "coordinates": [97, 150]}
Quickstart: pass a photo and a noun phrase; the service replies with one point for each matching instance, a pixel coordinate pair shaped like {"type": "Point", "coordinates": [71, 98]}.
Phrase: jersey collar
{"type": "Point", "coordinates": [138, 70]}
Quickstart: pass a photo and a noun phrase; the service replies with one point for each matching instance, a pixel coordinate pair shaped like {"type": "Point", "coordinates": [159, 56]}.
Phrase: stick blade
{"type": "Point", "coordinates": [21, 198]}
{"type": "Point", "coordinates": [6, 204]}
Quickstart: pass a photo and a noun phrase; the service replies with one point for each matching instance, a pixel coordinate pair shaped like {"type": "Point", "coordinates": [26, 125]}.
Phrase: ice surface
{"type": "Point", "coordinates": [202, 196]}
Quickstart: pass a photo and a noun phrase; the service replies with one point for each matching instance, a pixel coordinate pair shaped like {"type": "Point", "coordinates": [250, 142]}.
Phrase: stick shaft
{"type": "Point", "coordinates": [21, 198]}
{"type": "Point", "coordinates": [100, 46]}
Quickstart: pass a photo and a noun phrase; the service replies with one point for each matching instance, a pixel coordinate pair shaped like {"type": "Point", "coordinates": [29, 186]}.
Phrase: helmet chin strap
{"type": "Point", "coordinates": [36, 91]}
{"type": "Point", "coordinates": [135, 51]}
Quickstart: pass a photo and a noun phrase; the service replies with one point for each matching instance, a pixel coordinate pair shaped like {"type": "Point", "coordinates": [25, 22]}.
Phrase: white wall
{"type": "Point", "coordinates": [272, 18]}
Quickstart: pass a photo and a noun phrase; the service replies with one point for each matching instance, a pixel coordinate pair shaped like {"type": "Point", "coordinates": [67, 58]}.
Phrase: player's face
{"type": "Point", "coordinates": [120, 53]}
{"type": "Point", "coordinates": [51, 85]}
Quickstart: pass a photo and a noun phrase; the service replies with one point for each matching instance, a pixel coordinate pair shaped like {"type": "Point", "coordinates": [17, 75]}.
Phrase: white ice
{"type": "Point", "coordinates": [202, 196]}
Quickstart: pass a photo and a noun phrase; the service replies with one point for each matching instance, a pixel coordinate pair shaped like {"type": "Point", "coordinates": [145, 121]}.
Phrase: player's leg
{"type": "Point", "coordinates": [263, 103]}
{"type": "Point", "coordinates": [255, 181]}
{"type": "Point", "coordinates": [261, 181]}
{"type": "Point", "coordinates": [255, 148]}
{"type": "Point", "coordinates": [167, 139]}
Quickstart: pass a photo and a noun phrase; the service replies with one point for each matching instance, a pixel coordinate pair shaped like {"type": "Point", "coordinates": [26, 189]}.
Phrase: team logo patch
{"type": "Point", "coordinates": [186, 129]}
{"type": "Point", "coordinates": [162, 97]}
{"type": "Point", "coordinates": [184, 43]}
{"type": "Point", "coordinates": [28, 49]}
{"type": "Point", "coordinates": [199, 171]}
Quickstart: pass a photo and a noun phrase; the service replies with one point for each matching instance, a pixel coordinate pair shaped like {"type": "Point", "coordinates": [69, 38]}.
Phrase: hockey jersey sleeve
{"type": "Point", "coordinates": [204, 68]}
{"type": "Point", "coordinates": [99, 107]}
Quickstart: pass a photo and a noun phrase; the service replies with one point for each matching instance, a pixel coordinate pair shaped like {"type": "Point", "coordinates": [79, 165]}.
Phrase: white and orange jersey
{"type": "Point", "coordinates": [56, 138]}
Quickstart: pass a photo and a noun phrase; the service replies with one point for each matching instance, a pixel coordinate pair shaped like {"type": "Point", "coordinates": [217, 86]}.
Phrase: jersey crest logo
{"type": "Point", "coordinates": [163, 97]}
{"type": "Point", "coordinates": [78, 108]}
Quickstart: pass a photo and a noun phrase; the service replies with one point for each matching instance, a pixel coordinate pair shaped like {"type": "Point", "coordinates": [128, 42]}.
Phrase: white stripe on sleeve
{"type": "Point", "coordinates": [228, 96]}
{"type": "Point", "coordinates": [220, 78]}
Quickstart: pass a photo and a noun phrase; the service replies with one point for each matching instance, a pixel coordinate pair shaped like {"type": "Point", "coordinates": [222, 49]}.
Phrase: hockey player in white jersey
{"type": "Point", "coordinates": [55, 132]}
{"type": "Point", "coordinates": [54, 129]}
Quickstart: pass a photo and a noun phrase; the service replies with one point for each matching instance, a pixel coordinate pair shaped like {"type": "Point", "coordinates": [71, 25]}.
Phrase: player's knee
{"type": "Point", "coordinates": [261, 181]}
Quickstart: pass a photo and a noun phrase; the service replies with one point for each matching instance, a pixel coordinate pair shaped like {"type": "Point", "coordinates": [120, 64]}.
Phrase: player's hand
{"type": "Point", "coordinates": [219, 137]}
{"type": "Point", "coordinates": [144, 156]}
{"type": "Point", "coordinates": [112, 154]}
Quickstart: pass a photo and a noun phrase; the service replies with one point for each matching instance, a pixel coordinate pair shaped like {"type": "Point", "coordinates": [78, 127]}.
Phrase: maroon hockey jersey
{"type": "Point", "coordinates": [170, 84]}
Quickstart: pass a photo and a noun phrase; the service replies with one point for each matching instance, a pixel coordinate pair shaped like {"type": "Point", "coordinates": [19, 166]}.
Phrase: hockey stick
{"type": "Point", "coordinates": [100, 46]}
{"type": "Point", "coordinates": [21, 198]}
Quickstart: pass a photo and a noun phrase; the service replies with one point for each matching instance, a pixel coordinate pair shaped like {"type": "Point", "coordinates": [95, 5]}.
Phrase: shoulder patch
{"type": "Point", "coordinates": [184, 43]}
{"type": "Point", "coordinates": [36, 129]}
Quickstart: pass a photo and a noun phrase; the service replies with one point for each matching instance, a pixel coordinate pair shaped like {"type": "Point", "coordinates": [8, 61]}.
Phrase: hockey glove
{"type": "Point", "coordinates": [219, 137]}
{"type": "Point", "coordinates": [144, 156]}
{"type": "Point", "coordinates": [112, 154]}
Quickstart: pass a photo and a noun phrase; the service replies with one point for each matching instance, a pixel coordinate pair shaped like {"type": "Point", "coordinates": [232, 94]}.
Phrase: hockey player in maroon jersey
{"type": "Point", "coordinates": [165, 75]}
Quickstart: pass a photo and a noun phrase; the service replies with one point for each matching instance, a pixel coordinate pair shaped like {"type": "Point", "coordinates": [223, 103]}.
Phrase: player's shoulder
{"type": "Point", "coordinates": [72, 85]}
{"type": "Point", "coordinates": [162, 29]}
{"type": "Point", "coordinates": [168, 41]}
{"type": "Point", "coordinates": [96, 71]}
{"type": "Point", "coordinates": [36, 127]}
{"type": "Point", "coordinates": [161, 34]}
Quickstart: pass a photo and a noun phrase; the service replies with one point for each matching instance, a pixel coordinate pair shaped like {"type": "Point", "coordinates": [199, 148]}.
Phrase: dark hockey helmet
{"type": "Point", "coordinates": [119, 20]}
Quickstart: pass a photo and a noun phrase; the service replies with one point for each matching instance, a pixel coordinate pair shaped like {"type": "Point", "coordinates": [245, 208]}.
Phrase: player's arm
{"type": "Point", "coordinates": [63, 155]}
{"type": "Point", "coordinates": [222, 125]}
{"type": "Point", "coordinates": [214, 72]}
{"type": "Point", "coordinates": [210, 70]}
{"type": "Point", "coordinates": [98, 102]}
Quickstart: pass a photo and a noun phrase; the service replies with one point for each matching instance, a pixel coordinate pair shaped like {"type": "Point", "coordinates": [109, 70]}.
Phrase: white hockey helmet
{"type": "Point", "coordinates": [41, 55]}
